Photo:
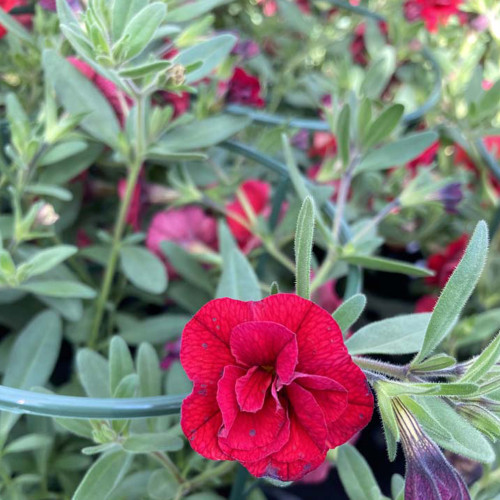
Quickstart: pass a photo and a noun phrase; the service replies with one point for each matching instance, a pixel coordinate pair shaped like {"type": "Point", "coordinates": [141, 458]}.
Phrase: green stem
{"type": "Point", "coordinates": [133, 176]}
{"type": "Point", "coordinates": [396, 371]}
{"type": "Point", "coordinates": [169, 465]}
{"type": "Point", "coordinates": [204, 477]}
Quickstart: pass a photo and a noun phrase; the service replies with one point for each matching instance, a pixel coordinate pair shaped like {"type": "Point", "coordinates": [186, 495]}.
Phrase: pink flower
{"type": "Point", "coordinates": [426, 304]}
{"type": "Point", "coordinates": [189, 227]}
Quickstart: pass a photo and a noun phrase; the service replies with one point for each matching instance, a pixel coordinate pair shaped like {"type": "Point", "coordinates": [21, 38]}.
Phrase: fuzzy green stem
{"type": "Point", "coordinates": [395, 371]}
{"type": "Point", "coordinates": [132, 177]}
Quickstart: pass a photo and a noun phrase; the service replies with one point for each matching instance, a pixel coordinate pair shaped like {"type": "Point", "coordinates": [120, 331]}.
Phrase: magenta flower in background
{"type": "Point", "coordinates": [189, 227]}
{"type": "Point", "coordinates": [51, 4]}
{"type": "Point", "coordinates": [243, 88]}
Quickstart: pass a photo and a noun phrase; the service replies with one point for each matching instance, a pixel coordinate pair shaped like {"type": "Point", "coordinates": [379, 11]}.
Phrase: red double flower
{"type": "Point", "coordinates": [274, 385]}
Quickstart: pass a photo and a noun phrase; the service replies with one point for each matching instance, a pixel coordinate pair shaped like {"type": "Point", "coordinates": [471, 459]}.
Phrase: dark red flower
{"type": "Point", "coordinates": [172, 351]}
{"type": "Point", "coordinates": [357, 48]}
{"type": "Point", "coordinates": [180, 102]}
{"type": "Point", "coordinates": [324, 145]}
{"type": "Point", "coordinates": [257, 194]}
{"type": "Point", "coordinates": [245, 89]}
{"type": "Point", "coordinates": [432, 12]}
{"type": "Point", "coordinates": [443, 264]}
{"type": "Point", "coordinates": [426, 304]}
{"type": "Point", "coordinates": [425, 158]}
{"type": "Point", "coordinates": [274, 385]}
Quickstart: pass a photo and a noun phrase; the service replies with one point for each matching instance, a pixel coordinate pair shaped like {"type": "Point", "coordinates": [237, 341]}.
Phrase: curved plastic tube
{"type": "Point", "coordinates": [54, 405]}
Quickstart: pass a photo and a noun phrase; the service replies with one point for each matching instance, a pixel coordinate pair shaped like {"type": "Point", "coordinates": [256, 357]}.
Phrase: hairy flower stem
{"type": "Point", "coordinates": [204, 477]}
{"type": "Point", "coordinates": [132, 177]}
{"type": "Point", "coordinates": [169, 465]}
{"type": "Point", "coordinates": [395, 371]}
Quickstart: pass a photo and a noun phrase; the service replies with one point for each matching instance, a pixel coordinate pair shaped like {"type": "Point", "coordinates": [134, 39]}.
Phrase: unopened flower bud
{"type": "Point", "coordinates": [177, 74]}
{"type": "Point", "coordinates": [46, 216]}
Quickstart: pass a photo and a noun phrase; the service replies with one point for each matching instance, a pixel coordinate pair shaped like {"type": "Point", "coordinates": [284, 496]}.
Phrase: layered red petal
{"type": "Point", "coordinates": [267, 344]}
{"type": "Point", "coordinates": [251, 389]}
{"type": "Point", "coordinates": [247, 435]}
{"type": "Point", "coordinates": [201, 420]}
{"type": "Point", "coordinates": [205, 339]}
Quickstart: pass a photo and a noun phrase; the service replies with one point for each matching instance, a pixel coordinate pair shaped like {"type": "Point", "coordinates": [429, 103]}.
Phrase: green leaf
{"type": "Point", "coordinates": [148, 369]}
{"type": "Point", "coordinates": [379, 73]}
{"type": "Point", "coordinates": [145, 69]}
{"type": "Point", "coordinates": [424, 418]}
{"type": "Point", "coordinates": [457, 291]}
{"type": "Point", "coordinates": [148, 443]}
{"type": "Point", "coordinates": [356, 476]}
{"type": "Point", "coordinates": [123, 11]}
{"type": "Point", "coordinates": [121, 363]}
{"type": "Point", "coordinates": [78, 95]}
{"type": "Point", "coordinates": [78, 427]}
{"type": "Point", "coordinates": [29, 442]}
{"type": "Point", "coordinates": [139, 31]}
{"type": "Point", "coordinates": [383, 125]}
{"type": "Point", "coordinates": [45, 260]}
{"type": "Point", "coordinates": [387, 265]}
{"type": "Point", "coordinates": [62, 151]}
{"type": "Point", "coordinates": [93, 372]}
{"type": "Point", "coordinates": [187, 266]}
{"type": "Point", "coordinates": [210, 53]}
{"type": "Point", "coordinates": [483, 362]}
{"type": "Point", "coordinates": [127, 387]}
{"type": "Point", "coordinates": [238, 279]}
{"type": "Point", "coordinates": [59, 288]}
{"type": "Point", "coordinates": [15, 28]}
{"type": "Point", "coordinates": [34, 354]}
{"type": "Point", "coordinates": [155, 330]}
{"type": "Point", "coordinates": [389, 422]}
{"type": "Point", "coordinates": [201, 133]}
{"type": "Point", "coordinates": [349, 312]}
{"type": "Point", "coordinates": [489, 101]}
{"type": "Point", "coordinates": [399, 335]}
{"type": "Point", "coordinates": [394, 389]}
{"type": "Point", "coordinates": [343, 134]}
{"type": "Point", "coordinates": [177, 380]}
{"type": "Point", "coordinates": [103, 476]}
{"type": "Point", "coordinates": [144, 269]}
{"type": "Point", "coordinates": [436, 362]}
{"type": "Point", "coordinates": [44, 190]}
{"type": "Point", "coordinates": [32, 358]}
{"type": "Point", "coordinates": [162, 486]}
{"type": "Point", "coordinates": [274, 289]}
{"type": "Point", "coordinates": [304, 237]}
{"type": "Point", "coordinates": [398, 152]}
{"type": "Point", "coordinates": [194, 9]}
{"type": "Point", "coordinates": [465, 438]}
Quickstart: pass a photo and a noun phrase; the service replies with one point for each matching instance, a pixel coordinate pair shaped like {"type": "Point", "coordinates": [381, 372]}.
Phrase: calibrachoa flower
{"type": "Point", "coordinates": [108, 89]}
{"type": "Point", "coordinates": [257, 194]}
{"type": "Point", "coordinates": [357, 48]}
{"type": "Point", "coordinates": [270, 7]}
{"type": "Point", "coordinates": [243, 88]}
{"type": "Point", "coordinates": [444, 263]}
{"type": "Point", "coordinates": [428, 474]}
{"type": "Point", "coordinates": [426, 303]}
{"type": "Point", "coordinates": [274, 385]}
{"type": "Point", "coordinates": [189, 227]}
{"type": "Point", "coordinates": [51, 4]}
{"type": "Point", "coordinates": [432, 12]}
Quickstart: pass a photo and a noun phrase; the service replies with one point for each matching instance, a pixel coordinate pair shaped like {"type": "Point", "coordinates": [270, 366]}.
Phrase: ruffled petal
{"type": "Point", "coordinates": [244, 435]}
{"type": "Point", "coordinates": [319, 338]}
{"type": "Point", "coordinates": [266, 344]}
{"type": "Point", "coordinates": [359, 409]}
{"type": "Point", "coordinates": [201, 420]}
{"type": "Point", "coordinates": [331, 397]}
{"type": "Point", "coordinates": [251, 389]}
{"type": "Point", "coordinates": [205, 339]}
